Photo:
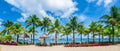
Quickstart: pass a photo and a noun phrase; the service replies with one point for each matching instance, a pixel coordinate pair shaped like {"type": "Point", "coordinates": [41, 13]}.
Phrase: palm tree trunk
{"type": "Point", "coordinates": [67, 40]}
{"type": "Point", "coordinates": [56, 38]}
{"type": "Point", "coordinates": [24, 40]}
{"type": "Point", "coordinates": [109, 38]}
{"type": "Point", "coordinates": [81, 38]}
{"type": "Point", "coordinates": [44, 41]}
{"type": "Point", "coordinates": [33, 33]}
{"type": "Point", "coordinates": [88, 38]}
{"type": "Point", "coordinates": [44, 38]}
{"type": "Point", "coordinates": [73, 37]}
{"type": "Point", "coordinates": [17, 38]}
{"type": "Point", "coordinates": [102, 38]}
{"type": "Point", "coordinates": [99, 37]}
{"type": "Point", "coordinates": [93, 38]}
{"type": "Point", "coordinates": [31, 39]}
{"type": "Point", "coordinates": [112, 34]}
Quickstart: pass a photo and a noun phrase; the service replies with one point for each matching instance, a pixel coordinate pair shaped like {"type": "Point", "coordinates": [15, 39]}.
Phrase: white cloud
{"type": "Point", "coordinates": [22, 19]}
{"type": "Point", "coordinates": [82, 17]}
{"type": "Point", "coordinates": [89, 1]}
{"type": "Point", "coordinates": [105, 3]}
{"type": "Point", "coordinates": [99, 2]}
{"type": "Point", "coordinates": [61, 8]}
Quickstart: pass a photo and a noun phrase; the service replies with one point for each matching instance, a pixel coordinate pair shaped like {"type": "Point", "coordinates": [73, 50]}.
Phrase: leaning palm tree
{"type": "Point", "coordinates": [80, 30]}
{"type": "Point", "coordinates": [73, 26]}
{"type": "Point", "coordinates": [55, 28]}
{"type": "Point", "coordinates": [93, 27]}
{"type": "Point", "coordinates": [111, 19]}
{"type": "Point", "coordinates": [33, 21]}
{"type": "Point", "coordinates": [65, 32]}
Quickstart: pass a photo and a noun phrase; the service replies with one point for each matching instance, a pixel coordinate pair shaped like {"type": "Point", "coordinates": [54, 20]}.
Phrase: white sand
{"type": "Point", "coordinates": [59, 48]}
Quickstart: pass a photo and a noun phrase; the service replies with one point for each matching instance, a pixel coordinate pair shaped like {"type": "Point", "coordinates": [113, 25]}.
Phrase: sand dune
{"type": "Point", "coordinates": [59, 48]}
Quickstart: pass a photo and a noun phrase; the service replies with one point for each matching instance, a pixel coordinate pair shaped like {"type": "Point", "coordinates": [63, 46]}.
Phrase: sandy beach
{"type": "Point", "coordinates": [59, 48]}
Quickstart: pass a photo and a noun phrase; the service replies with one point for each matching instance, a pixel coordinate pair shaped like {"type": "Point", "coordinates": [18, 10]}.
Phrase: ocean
{"type": "Point", "coordinates": [48, 41]}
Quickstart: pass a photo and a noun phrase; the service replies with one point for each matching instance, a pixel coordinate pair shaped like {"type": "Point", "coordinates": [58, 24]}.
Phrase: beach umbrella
{"type": "Point", "coordinates": [43, 38]}
{"type": "Point", "coordinates": [25, 36]}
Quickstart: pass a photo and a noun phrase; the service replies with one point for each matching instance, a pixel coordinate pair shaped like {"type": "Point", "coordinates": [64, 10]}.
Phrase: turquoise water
{"type": "Point", "coordinates": [70, 40]}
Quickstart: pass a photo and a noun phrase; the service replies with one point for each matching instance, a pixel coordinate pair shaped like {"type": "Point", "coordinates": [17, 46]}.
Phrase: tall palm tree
{"type": "Point", "coordinates": [80, 30]}
{"type": "Point", "coordinates": [111, 19]}
{"type": "Point", "coordinates": [99, 30]}
{"type": "Point", "coordinates": [86, 32]}
{"type": "Point", "coordinates": [55, 28]}
{"type": "Point", "coordinates": [108, 32]}
{"type": "Point", "coordinates": [33, 21]}
{"type": "Point", "coordinates": [30, 32]}
{"type": "Point", "coordinates": [93, 27]}
{"type": "Point", "coordinates": [65, 32]}
{"type": "Point", "coordinates": [73, 26]}
{"type": "Point", "coordinates": [45, 23]}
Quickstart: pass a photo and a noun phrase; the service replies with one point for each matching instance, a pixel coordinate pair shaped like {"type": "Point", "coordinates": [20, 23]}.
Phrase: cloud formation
{"type": "Point", "coordinates": [60, 8]}
{"type": "Point", "coordinates": [105, 3]}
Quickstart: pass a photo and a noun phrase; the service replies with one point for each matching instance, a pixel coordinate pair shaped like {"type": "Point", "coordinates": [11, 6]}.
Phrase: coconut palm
{"type": "Point", "coordinates": [33, 21]}
{"type": "Point", "coordinates": [80, 30]}
{"type": "Point", "coordinates": [73, 26]}
{"type": "Point", "coordinates": [45, 23]}
{"type": "Point", "coordinates": [86, 32]}
{"type": "Point", "coordinates": [7, 26]}
{"type": "Point", "coordinates": [30, 32]}
{"type": "Point", "coordinates": [111, 19]}
{"type": "Point", "coordinates": [99, 30]}
{"type": "Point", "coordinates": [65, 32]}
{"type": "Point", "coordinates": [55, 28]}
{"type": "Point", "coordinates": [93, 27]}
{"type": "Point", "coordinates": [108, 32]}
{"type": "Point", "coordinates": [17, 29]}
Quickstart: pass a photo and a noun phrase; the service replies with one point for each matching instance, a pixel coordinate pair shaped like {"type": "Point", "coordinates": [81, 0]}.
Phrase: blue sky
{"type": "Point", "coordinates": [85, 10]}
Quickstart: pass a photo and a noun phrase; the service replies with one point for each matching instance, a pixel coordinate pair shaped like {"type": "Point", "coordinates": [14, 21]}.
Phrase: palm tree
{"type": "Point", "coordinates": [111, 19]}
{"type": "Point", "coordinates": [7, 26]}
{"type": "Point", "coordinates": [30, 32]}
{"type": "Point", "coordinates": [80, 30]}
{"type": "Point", "coordinates": [93, 27]}
{"type": "Point", "coordinates": [55, 29]}
{"type": "Point", "coordinates": [16, 29]}
{"type": "Point", "coordinates": [45, 23]}
{"type": "Point", "coordinates": [99, 30]}
{"type": "Point", "coordinates": [86, 32]}
{"type": "Point", "coordinates": [108, 32]}
{"type": "Point", "coordinates": [66, 31]}
{"type": "Point", "coordinates": [33, 21]}
{"type": "Point", "coordinates": [73, 25]}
